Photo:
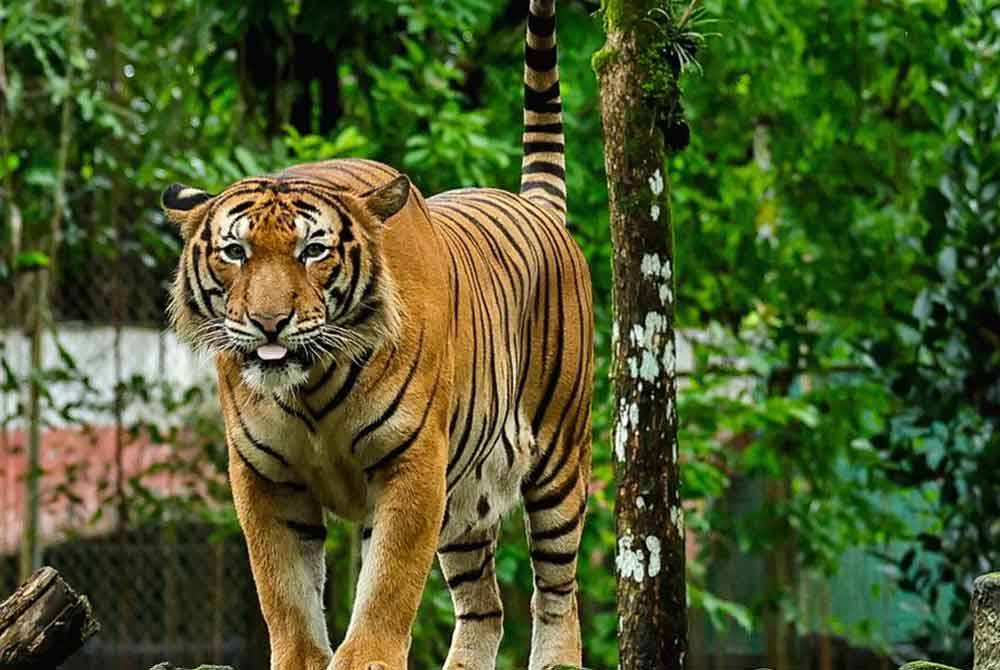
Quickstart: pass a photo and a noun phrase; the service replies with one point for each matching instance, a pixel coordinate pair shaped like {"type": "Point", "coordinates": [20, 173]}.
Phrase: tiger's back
{"type": "Point", "coordinates": [521, 320]}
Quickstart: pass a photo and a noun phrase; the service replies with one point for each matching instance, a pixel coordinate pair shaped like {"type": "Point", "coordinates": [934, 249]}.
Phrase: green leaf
{"type": "Point", "coordinates": [31, 259]}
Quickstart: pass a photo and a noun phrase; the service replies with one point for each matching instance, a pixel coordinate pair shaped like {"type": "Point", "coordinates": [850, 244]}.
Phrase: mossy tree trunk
{"type": "Point", "coordinates": [638, 94]}
{"type": "Point", "coordinates": [986, 622]}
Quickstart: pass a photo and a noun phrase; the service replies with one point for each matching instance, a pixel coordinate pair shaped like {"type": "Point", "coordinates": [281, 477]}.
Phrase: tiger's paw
{"type": "Point", "coordinates": [366, 657]}
{"type": "Point", "coordinates": [370, 665]}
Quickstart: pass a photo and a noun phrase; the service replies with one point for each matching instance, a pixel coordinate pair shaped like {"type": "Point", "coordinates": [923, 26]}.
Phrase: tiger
{"type": "Point", "coordinates": [416, 365]}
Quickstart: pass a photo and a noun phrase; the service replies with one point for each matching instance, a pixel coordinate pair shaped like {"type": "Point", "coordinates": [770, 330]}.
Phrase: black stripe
{"type": "Point", "coordinates": [242, 207]}
{"type": "Point", "coordinates": [479, 318]}
{"type": "Point", "coordinates": [553, 557]}
{"type": "Point", "coordinates": [257, 444]}
{"type": "Point", "coordinates": [543, 128]}
{"type": "Point", "coordinates": [348, 300]}
{"type": "Point", "coordinates": [546, 201]}
{"type": "Point", "coordinates": [295, 486]}
{"type": "Point", "coordinates": [470, 575]}
{"type": "Point", "coordinates": [543, 26]}
{"type": "Point", "coordinates": [543, 147]}
{"type": "Point", "coordinates": [480, 616]}
{"type": "Point", "coordinates": [323, 379]}
{"type": "Point", "coordinates": [190, 299]}
{"type": "Point", "coordinates": [242, 188]}
{"type": "Point", "coordinates": [538, 481]}
{"type": "Point", "coordinates": [551, 189]}
{"type": "Point", "coordinates": [307, 531]}
{"type": "Point", "coordinates": [302, 204]}
{"type": "Point", "coordinates": [394, 405]}
{"type": "Point", "coordinates": [544, 107]}
{"type": "Point", "coordinates": [470, 411]}
{"type": "Point", "coordinates": [505, 230]}
{"type": "Point", "coordinates": [408, 442]}
{"type": "Point", "coordinates": [366, 307]}
{"type": "Point", "coordinates": [352, 377]}
{"type": "Point", "coordinates": [206, 295]}
{"type": "Point", "coordinates": [460, 547]}
{"type": "Point", "coordinates": [508, 448]}
{"type": "Point", "coordinates": [339, 169]}
{"type": "Point", "coordinates": [563, 589]}
{"type": "Point", "coordinates": [539, 60]}
{"type": "Point", "coordinates": [374, 165]}
{"type": "Point", "coordinates": [254, 442]}
{"type": "Point", "coordinates": [334, 274]}
{"type": "Point", "coordinates": [553, 499]}
{"type": "Point", "coordinates": [365, 311]}
{"type": "Point", "coordinates": [555, 373]}
{"type": "Point", "coordinates": [288, 409]}
{"type": "Point", "coordinates": [545, 167]}
{"type": "Point", "coordinates": [366, 533]}
{"type": "Point", "coordinates": [542, 102]}
{"type": "Point", "coordinates": [561, 529]}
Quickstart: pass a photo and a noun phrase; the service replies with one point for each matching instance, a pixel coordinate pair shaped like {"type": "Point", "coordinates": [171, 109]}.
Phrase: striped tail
{"type": "Point", "coordinates": [543, 168]}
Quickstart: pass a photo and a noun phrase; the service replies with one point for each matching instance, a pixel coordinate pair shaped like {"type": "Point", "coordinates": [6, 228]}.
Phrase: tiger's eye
{"type": "Point", "coordinates": [235, 252]}
{"type": "Point", "coordinates": [314, 250]}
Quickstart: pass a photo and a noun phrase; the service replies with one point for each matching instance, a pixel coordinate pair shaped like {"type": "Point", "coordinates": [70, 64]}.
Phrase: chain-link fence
{"type": "Point", "coordinates": [131, 463]}
{"type": "Point", "coordinates": [166, 592]}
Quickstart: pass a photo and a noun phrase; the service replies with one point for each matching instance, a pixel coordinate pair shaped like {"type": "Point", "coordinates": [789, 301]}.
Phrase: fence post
{"type": "Point", "coordinates": [986, 622]}
{"type": "Point", "coordinates": [30, 556]}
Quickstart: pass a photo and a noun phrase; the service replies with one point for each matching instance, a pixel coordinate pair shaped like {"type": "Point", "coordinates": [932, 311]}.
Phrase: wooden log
{"type": "Point", "coordinates": [986, 622]}
{"type": "Point", "coordinates": [43, 623]}
{"type": "Point", "coordinates": [926, 665]}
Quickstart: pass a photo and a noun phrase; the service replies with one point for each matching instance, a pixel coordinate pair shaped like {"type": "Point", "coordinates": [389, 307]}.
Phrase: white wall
{"type": "Point", "coordinates": [148, 352]}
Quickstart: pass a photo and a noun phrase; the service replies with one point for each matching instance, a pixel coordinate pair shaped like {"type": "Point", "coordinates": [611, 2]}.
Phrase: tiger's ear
{"type": "Point", "coordinates": [388, 199]}
{"type": "Point", "coordinates": [179, 201]}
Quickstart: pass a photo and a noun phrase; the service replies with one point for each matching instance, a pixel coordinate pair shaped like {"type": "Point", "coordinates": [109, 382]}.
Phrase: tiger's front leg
{"type": "Point", "coordinates": [284, 530]}
{"type": "Point", "coordinates": [408, 490]}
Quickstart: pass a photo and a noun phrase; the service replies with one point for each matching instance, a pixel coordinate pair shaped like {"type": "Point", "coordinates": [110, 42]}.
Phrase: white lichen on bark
{"type": "Point", "coordinates": [653, 545]}
{"type": "Point", "coordinates": [656, 183]}
{"type": "Point", "coordinates": [634, 563]}
{"type": "Point", "coordinates": [628, 419]}
{"type": "Point", "coordinates": [677, 518]}
{"type": "Point", "coordinates": [630, 562]}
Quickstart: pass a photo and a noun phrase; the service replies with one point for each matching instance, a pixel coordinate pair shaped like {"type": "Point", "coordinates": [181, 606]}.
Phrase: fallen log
{"type": "Point", "coordinates": [43, 623]}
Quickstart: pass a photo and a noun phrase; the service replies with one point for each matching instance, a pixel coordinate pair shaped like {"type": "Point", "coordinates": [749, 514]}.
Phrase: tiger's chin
{"type": "Point", "coordinates": [274, 379]}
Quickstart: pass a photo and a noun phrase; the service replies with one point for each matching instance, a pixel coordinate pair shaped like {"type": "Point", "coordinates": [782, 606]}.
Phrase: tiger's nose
{"type": "Point", "coordinates": [270, 324]}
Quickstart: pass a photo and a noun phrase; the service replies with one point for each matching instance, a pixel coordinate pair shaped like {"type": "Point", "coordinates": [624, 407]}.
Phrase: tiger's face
{"type": "Point", "coordinates": [281, 274]}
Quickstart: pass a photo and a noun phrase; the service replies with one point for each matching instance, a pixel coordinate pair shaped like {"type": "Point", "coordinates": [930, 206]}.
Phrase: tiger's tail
{"type": "Point", "coordinates": [543, 168]}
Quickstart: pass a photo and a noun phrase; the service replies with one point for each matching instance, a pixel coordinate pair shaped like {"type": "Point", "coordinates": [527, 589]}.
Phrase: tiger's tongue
{"type": "Point", "coordinates": [271, 352]}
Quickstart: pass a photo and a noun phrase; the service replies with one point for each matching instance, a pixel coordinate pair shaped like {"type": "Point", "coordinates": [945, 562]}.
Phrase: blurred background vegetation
{"type": "Point", "coordinates": [837, 279]}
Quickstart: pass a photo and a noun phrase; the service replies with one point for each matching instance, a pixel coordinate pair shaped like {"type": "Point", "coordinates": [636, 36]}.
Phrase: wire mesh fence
{"type": "Point", "coordinates": [165, 592]}
{"type": "Point", "coordinates": [131, 463]}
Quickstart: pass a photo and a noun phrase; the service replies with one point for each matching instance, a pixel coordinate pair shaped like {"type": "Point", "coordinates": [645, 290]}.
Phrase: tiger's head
{"type": "Point", "coordinates": [281, 273]}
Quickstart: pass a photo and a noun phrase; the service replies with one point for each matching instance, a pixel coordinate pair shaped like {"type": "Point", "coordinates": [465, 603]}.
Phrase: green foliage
{"type": "Point", "coordinates": [836, 246]}
{"type": "Point", "coordinates": [835, 258]}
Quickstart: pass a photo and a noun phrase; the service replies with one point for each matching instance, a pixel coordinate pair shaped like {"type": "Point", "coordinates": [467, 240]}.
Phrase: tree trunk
{"type": "Point", "coordinates": [986, 622]}
{"type": "Point", "coordinates": [637, 90]}
{"type": "Point", "coordinates": [43, 623]}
